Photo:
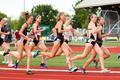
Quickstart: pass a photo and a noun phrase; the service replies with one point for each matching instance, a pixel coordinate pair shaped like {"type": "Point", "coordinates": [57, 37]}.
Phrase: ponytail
{"type": "Point", "coordinates": [61, 13]}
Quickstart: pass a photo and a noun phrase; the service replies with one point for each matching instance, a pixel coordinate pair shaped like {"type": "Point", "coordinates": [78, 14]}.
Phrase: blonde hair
{"type": "Point", "coordinates": [68, 16]}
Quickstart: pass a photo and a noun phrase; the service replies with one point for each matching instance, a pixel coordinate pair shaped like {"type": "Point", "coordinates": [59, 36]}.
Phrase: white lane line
{"type": "Point", "coordinates": [55, 70]}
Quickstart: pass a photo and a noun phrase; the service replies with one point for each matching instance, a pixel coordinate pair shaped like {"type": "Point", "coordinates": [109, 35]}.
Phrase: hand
{"type": "Point", "coordinates": [109, 33]}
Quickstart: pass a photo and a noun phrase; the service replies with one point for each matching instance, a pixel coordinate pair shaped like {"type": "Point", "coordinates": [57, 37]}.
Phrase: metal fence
{"type": "Point", "coordinates": [112, 22]}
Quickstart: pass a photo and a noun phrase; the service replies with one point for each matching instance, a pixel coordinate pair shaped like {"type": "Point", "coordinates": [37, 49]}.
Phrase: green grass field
{"type": "Point", "coordinates": [61, 61]}
{"type": "Point", "coordinates": [107, 43]}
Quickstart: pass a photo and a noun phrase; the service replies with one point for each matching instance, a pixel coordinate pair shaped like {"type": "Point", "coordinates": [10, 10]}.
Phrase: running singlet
{"type": "Point", "coordinates": [68, 34]}
{"type": "Point", "coordinates": [99, 41]}
{"type": "Point", "coordinates": [25, 33]}
{"type": "Point", "coordinates": [36, 37]}
{"type": "Point", "coordinates": [60, 36]}
{"type": "Point", "coordinates": [1, 39]}
{"type": "Point", "coordinates": [92, 39]}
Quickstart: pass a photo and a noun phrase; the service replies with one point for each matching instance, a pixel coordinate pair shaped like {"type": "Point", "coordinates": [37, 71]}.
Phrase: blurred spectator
{"type": "Point", "coordinates": [17, 35]}
{"type": "Point", "coordinates": [6, 28]}
{"type": "Point", "coordinates": [7, 38]}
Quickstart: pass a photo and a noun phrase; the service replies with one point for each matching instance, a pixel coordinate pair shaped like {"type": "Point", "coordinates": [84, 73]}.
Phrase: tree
{"type": "Point", "coordinates": [14, 24]}
{"type": "Point", "coordinates": [80, 19]}
{"type": "Point", "coordinates": [47, 12]}
{"type": "Point", "coordinates": [21, 20]}
{"type": "Point", "coordinates": [2, 15]}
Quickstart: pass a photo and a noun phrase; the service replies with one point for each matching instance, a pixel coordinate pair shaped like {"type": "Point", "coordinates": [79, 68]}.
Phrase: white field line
{"type": "Point", "coordinates": [55, 70]}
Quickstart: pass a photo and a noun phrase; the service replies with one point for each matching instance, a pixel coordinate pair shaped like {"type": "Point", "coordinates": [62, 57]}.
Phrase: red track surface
{"type": "Point", "coordinates": [113, 49]}
{"type": "Point", "coordinates": [40, 75]}
{"type": "Point", "coordinates": [20, 75]}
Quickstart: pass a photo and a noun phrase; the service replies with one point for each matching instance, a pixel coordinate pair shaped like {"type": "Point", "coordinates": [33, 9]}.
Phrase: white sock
{"type": "Point", "coordinates": [32, 53]}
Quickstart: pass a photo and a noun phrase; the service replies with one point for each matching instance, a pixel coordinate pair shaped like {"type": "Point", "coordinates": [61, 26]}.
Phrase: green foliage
{"type": "Point", "coordinates": [80, 19]}
{"type": "Point", "coordinates": [60, 61]}
{"type": "Point", "coordinates": [2, 15]}
{"type": "Point", "coordinates": [21, 21]}
{"type": "Point", "coordinates": [14, 24]}
{"type": "Point", "coordinates": [18, 23]}
{"type": "Point", "coordinates": [47, 12]}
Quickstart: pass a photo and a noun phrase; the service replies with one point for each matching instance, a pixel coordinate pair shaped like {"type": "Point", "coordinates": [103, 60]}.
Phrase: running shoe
{"type": "Point", "coordinates": [119, 57]}
{"type": "Point", "coordinates": [105, 71]}
{"type": "Point", "coordinates": [83, 70]}
{"type": "Point", "coordinates": [5, 53]}
{"type": "Point", "coordinates": [95, 63]}
{"type": "Point", "coordinates": [43, 65]}
{"type": "Point", "coordinates": [4, 62]}
{"type": "Point", "coordinates": [36, 53]}
{"type": "Point", "coordinates": [11, 65]}
{"type": "Point", "coordinates": [73, 69]}
{"type": "Point", "coordinates": [16, 64]}
{"type": "Point", "coordinates": [29, 72]}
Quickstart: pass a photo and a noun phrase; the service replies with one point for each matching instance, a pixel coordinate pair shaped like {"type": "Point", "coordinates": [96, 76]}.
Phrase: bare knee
{"type": "Point", "coordinates": [83, 56]}
{"type": "Point", "coordinates": [52, 56]}
{"type": "Point", "coordinates": [108, 55]}
{"type": "Point", "coordinates": [101, 55]}
{"type": "Point", "coordinates": [19, 57]}
{"type": "Point", "coordinates": [29, 55]}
